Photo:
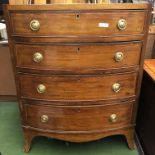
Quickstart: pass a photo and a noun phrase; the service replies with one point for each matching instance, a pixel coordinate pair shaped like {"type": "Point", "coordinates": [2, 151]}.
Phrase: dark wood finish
{"type": "Point", "coordinates": [80, 119]}
{"type": "Point", "coordinates": [76, 88]}
{"type": "Point", "coordinates": [72, 25]}
{"type": "Point", "coordinates": [73, 57]}
{"type": "Point", "coordinates": [72, 39]}
{"type": "Point", "coordinates": [31, 133]}
{"type": "Point", "coordinates": [78, 96]}
{"type": "Point", "coordinates": [146, 113]}
{"type": "Point", "coordinates": [68, 7]}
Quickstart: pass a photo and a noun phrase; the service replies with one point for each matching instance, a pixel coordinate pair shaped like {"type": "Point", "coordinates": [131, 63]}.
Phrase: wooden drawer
{"type": "Point", "coordinates": [77, 88]}
{"type": "Point", "coordinates": [78, 118]}
{"type": "Point", "coordinates": [78, 58]}
{"type": "Point", "coordinates": [79, 23]}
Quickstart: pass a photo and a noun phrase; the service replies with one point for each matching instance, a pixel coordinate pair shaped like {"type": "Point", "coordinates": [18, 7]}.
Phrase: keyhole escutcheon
{"type": "Point", "coordinates": [77, 16]}
{"type": "Point", "coordinates": [78, 50]}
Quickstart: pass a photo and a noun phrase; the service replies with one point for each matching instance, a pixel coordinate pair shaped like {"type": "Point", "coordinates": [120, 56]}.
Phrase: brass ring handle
{"type": "Point", "coordinates": [113, 118]}
{"type": "Point", "coordinates": [44, 118]}
{"type": "Point", "coordinates": [122, 24]}
{"type": "Point", "coordinates": [41, 88]}
{"type": "Point", "coordinates": [116, 87]}
{"type": "Point", "coordinates": [119, 56]}
{"type": "Point", "coordinates": [35, 25]}
{"type": "Point", "coordinates": [37, 57]}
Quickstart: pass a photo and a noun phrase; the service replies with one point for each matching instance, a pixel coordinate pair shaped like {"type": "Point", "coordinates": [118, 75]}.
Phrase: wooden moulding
{"type": "Point", "coordinates": [106, 6]}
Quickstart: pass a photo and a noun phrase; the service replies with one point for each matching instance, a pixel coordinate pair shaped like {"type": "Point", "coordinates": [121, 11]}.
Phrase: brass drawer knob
{"type": "Point", "coordinates": [41, 88]}
{"type": "Point", "coordinates": [113, 118]}
{"type": "Point", "coordinates": [37, 57]}
{"type": "Point", "coordinates": [122, 24]}
{"type": "Point", "coordinates": [44, 118]}
{"type": "Point", "coordinates": [119, 56]}
{"type": "Point", "coordinates": [116, 87]}
{"type": "Point", "coordinates": [35, 25]}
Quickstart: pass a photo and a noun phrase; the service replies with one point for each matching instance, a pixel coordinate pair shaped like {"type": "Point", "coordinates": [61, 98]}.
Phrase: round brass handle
{"type": "Point", "coordinates": [122, 24]}
{"type": "Point", "coordinates": [41, 88]}
{"type": "Point", "coordinates": [35, 25]}
{"type": "Point", "coordinates": [37, 57]}
{"type": "Point", "coordinates": [44, 118]}
{"type": "Point", "coordinates": [113, 118]}
{"type": "Point", "coordinates": [116, 87]}
{"type": "Point", "coordinates": [119, 56]}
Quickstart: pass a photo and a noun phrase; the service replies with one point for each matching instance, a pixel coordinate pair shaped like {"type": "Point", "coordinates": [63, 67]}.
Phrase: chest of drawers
{"type": "Point", "coordinates": [78, 68]}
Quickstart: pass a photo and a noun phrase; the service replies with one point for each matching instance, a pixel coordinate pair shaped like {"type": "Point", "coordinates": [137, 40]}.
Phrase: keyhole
{"type": "Point", "coordinates": [78, 50]}
{"type": "Point", "coordinates": [77, 16]}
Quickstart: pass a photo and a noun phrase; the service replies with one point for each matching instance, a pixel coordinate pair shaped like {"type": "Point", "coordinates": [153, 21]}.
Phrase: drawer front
{"type": "Point", "coordinates": [77, 88]}
{"type": "Point", "coordinates": [86, 24]}
{"type": "Point", "coordinates": [78, 118]}
{"type": "Point", "coordinates": [78, 58]}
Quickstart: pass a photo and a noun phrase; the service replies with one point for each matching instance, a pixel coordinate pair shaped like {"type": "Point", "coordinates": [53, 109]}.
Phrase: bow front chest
{"type": "Point", "coordinates": [78, 68]}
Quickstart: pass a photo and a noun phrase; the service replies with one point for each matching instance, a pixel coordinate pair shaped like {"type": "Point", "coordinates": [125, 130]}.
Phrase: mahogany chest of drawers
{"type": "Point", "coordinates": [78, 68]}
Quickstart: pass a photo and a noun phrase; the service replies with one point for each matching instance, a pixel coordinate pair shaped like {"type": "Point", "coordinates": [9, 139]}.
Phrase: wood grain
{"type": "Point", "coordinates": [30, 133]}
{"type": "Point", "coordinates": [78, 58]}
{"type": "Point", "coordinates": [77, 88]}
{"type": "Point", "coordinates": [77, 119]}
{"type": "Point", "coordinates": [113, 6]}
{"type": "Point", "coordinates": [63, 30]}
{"type": "Point", "coordinates": [77, 23]}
